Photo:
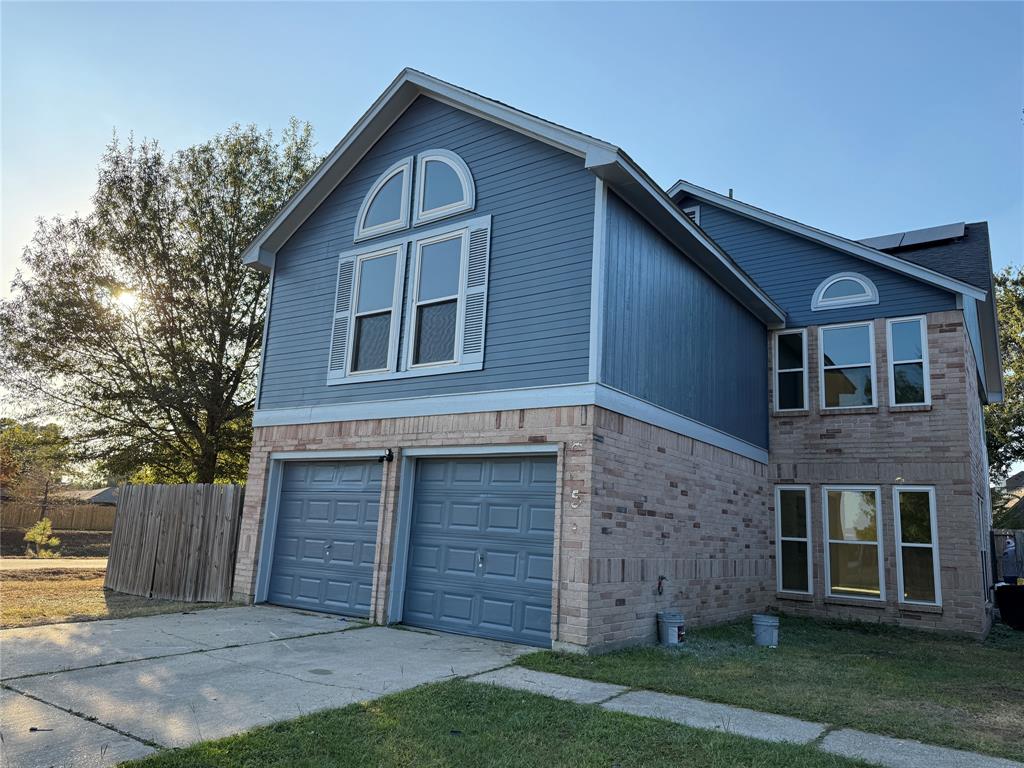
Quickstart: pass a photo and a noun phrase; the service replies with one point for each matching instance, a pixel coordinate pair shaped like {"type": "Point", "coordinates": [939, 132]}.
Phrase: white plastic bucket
{"type": "Point", "coordinates": [766, 630]}
{"type": "Point", "coordinates": [671, 628]}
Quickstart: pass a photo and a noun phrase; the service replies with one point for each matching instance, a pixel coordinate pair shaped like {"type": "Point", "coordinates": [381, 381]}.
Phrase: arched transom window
{"type": "Point", "coordinates": [443, 187]}
{"type": "Point", "coordinates": [846, 289]}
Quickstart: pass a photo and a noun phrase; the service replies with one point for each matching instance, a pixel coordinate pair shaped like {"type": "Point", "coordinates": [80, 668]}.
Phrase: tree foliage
{"type": "Point", "coordinates": [33, 458]}
{"type": "Point", "coordinates": [1004, 421]}
{"type": "Point", "coordinates": [41, 535]}
{"type": "Point", "coordinates": [137, 323]}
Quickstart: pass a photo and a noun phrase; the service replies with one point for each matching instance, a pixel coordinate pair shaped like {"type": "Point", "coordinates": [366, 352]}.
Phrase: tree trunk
{"type": "Point", "coordinates": [46, 499]}
{"type": "Point", "coordinates": [206, 467]}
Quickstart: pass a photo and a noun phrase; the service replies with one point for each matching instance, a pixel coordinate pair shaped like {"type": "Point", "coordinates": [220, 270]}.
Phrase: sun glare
{"type": "Point", "coordinates": [127, 299]}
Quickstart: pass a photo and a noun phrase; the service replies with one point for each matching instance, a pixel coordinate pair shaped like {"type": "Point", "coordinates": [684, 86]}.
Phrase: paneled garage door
{"type": "Point", "coordinates": [480, 548]}
{"type": "Point", "coordinates": [326, 536]}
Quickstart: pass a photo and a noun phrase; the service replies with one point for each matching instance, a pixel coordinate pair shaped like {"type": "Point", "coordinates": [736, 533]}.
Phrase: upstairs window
{"type": "Point", "coordinates": [847, 365]}
{"type": "Point", "coordinates": [908, 361]}
{"type": "Point", "coordinates": [386, 206]}
{"type": "Point", "coordinates": [374, 312]}
{"type": "Point", "coordinates": [846, 289]}
{"type": "Point", "coordinates": [790, 370]}
{"type": "Point", "coordinates": [436, 300]}
{"type": "Point", "coordinates": [444, 186]}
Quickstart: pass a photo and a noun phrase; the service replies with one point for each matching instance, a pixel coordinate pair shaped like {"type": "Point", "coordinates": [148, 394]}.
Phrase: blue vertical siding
{"type": "Point", "coordinates": [789, 268]}
{"type": "Point", "coordinates": [674, 337]}
{"type": "Point", "coordinates": [542, 203]}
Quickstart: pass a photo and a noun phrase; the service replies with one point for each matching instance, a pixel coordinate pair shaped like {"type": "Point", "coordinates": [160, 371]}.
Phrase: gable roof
{"type": "Point", "coordinates": [604, 160]}
{"type": "Point", "coordinates": [852, 247]}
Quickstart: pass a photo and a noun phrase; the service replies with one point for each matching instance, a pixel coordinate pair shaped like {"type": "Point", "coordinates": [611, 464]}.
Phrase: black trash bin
{"type": "Point", "coordinates": [1010, 600]}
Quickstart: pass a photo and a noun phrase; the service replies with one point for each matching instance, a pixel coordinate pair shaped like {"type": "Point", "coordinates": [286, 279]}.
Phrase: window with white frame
{"type": "Point", "coordinates": [374, 318]}
{"type": "Point", "coordinates": [847, 365]}
{"type": "Point", "coordinates": [908, 361]}
{"type": "Point", "coordinates": [444, 186]}
{"type": "Point", "coordinates": [845, 289]}
{"type": "Point", "coordinates": [793, 538]}
{"type": "Point", "coordinates": [790, 370]}
{"type": "Point", "coordinates": [436, 297]}
{"type": "Point", "coordinates": [917, 549]}
{"type": "Point", "coordinates": [386, 206]}
{"type": "Point", "coordinates": [853, 542]}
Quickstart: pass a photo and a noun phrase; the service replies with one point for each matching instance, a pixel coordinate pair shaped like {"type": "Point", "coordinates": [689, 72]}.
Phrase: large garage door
{"type": "Point", "coordinates": [326, 536]}
{"type": "Point", "coordinates": [481, 546]}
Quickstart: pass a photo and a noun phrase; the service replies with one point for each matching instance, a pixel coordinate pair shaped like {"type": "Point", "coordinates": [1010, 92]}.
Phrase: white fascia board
{"type": "Point", "coordinates": [514, 399]}
{"type": "Point", "coordinates": [851, 247]}
{"type": "Point", "coordinates": [388, 107]}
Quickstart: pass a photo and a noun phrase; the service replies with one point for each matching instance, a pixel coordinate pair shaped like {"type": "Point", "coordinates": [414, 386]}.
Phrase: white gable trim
{"type": "Point", "coordinates": [604, 160]}
{"type": "Point", "coordinates": [826, 238]}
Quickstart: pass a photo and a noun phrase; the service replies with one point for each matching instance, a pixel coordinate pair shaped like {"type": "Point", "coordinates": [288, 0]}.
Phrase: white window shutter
{"type": "Point", "coordinates": [474, 310]}
{"type": "Point", "coordinates": [338, 364]}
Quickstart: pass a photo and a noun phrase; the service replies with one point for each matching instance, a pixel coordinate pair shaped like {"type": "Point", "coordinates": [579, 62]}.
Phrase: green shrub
{"type": "Point", "coordinates": [41, 534]}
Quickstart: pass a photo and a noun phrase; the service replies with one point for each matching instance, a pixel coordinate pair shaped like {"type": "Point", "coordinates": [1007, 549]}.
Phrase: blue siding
{"type": "Point", "coordinates": [789, 268]}
{"type": "Point", "coordinates": [542, 203]}
{"type": "Point", "coordinates": [674, 337]}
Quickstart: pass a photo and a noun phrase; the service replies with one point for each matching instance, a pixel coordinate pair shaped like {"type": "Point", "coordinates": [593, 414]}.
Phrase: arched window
{"type": "Point", "coordinates": [846, 289]}
{"type": "Point", "coordinates": [386, 206]}
{"type": "Point", "coordinates": [444, 186]}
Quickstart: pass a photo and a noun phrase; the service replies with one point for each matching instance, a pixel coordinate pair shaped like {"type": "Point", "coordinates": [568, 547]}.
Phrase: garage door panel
{"type": "Point", "coordinates": [481, 547]}
{"type": "Point", "coordinates": [326, 536]}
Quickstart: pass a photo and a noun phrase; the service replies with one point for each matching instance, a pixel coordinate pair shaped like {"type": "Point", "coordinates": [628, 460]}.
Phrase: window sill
{"type": "Point", "coordinates": [798, 412]}
{"type": "Point", "coordinates": [848, 411]}
{"type": "Point", "coordinates": [798, 596]}
{"type": "Point", "coordinates": [914, 608]}
{"type": "Point", "coordinates": [856, 602]}
{"type": "Point", "coordinates": [409, 374]}
{"type": "Point", "coordinates": [909, 408]}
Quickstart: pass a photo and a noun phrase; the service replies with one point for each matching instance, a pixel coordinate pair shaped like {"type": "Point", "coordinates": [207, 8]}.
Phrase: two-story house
{"type": "Point", "coordinates": [512, 388]}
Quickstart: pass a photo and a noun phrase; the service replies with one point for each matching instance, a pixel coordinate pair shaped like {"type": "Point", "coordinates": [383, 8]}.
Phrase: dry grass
{"type": "Point", "coordinates": [29, 598]}
{"type": "Point", "coordinates": [72, 543]}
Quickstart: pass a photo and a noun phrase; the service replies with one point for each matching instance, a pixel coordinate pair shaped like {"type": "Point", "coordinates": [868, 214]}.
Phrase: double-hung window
{"type": "Point", "coordinates": [917, 554]}
{"type": "Point", "coordinates": [793, 538]}
{"type": "Point", "coordinates": [375, 326]}
{"type": "Point", "coordinates": [853, 542]}
{"type": "Point", "coordinates": [436, 299]}
{"type": "Point", "coordinates": [790, 370]}
{"type": "Point", "coordinates": [908, 361]}
{"type": "Point", "coordinates": [847, 365]}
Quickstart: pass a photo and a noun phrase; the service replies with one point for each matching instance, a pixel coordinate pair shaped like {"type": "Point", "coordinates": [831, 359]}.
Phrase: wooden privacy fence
{"type": "Point", "coordinates": [65, 517]}
{"type": "Point", "coordinates": [175, 542]}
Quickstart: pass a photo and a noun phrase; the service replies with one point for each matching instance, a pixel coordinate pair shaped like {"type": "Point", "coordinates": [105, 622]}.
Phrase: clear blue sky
{"type": "Point", "coordinates": [857, 118]}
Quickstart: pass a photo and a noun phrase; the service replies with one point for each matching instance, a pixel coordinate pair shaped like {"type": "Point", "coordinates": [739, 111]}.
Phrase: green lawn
{"type": "Point", "coordinates": [943, 690]}
{"type": "Point", "coordinates": [459, 723]}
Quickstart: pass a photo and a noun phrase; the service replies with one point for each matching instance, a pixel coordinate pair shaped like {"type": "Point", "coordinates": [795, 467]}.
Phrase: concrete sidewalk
{"type": "Point", "coordinates": [872, 748]}
{"type": "Point", "coordinates": [53, 564]}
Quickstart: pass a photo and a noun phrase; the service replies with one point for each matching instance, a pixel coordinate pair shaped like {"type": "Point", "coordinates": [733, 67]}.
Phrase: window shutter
{"type": "Point", "coordinates": [342, 318]}
{"type": "Point", "coordinates": [474, 319]}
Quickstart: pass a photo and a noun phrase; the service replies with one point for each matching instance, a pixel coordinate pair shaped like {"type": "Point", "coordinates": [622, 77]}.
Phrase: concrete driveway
{"type": "Point", "coordinates": [97, 693]}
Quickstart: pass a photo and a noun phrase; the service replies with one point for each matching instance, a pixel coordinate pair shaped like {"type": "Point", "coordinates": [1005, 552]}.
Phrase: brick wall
{"type": "Point", "coordinates": [935, 445]}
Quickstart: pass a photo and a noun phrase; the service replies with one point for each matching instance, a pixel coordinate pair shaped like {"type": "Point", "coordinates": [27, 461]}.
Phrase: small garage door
{"type": "Point", "coordinates": [326, 536]}
{"type": "Point", "coordinates": [480, 548]}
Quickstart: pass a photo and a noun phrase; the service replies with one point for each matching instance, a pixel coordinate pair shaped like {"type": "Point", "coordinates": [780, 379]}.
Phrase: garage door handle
{"type": "Point", "coordinates": [480, 560]}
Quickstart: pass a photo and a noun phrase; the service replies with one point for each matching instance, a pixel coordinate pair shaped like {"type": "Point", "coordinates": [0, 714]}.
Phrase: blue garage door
{"type": "Point", "coordinates": [481, 546]}
{"type": "Point", "coordinates": [326, 536]}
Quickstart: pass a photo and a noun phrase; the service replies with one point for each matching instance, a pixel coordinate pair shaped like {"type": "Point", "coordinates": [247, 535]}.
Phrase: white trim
{"type": "Point", "coordinates": [870, 295]}
{"type": "Point", "coordinates": [597, 280]}
{"type": "Point", "coordinates": [391, 362]}
{"type": "Point", "coordinates": [365, 233]}
{"type": "Point", "coordinates": [461, 232]}
{"type": "Point", "coordinates": [512, 399]}
{"type": "Point", "coordinates": [266, 329]}
{"type": "Point", "coordinates": [693, 211]}
{"type": "Point", "coordinates": [892, 362]}
{"type": "Point", "coordinates": [456, 451]}
{"type": "Point", "coordinates": [271, 503]}
{"type": "Point", "coordinates": [934, 546]}
{"type": "Point", "coordinates": [805, 370]}
{"type": "Point", "coordinates": [457, 164]}
{"type": "Point", "coordinates": [826, 238]}
{"type": "Point", "coordinates": [877, 490]}
{"type": "Point", "coordinates": [821, 365]}
{"type": "Point", "coordinates": [808, 543]}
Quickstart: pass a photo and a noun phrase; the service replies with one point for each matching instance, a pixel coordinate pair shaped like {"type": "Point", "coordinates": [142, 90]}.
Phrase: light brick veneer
{"type": "Point", "coordinates": [941, 445]}
{"type": "Point", "coordinates": [647, 503]}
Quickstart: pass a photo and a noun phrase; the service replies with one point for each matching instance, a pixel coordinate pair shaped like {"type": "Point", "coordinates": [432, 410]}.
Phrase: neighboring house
{"type": "Point", "coordinates": [510, 388]}
{"type": "Point", "coordinates": [105, 497]}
